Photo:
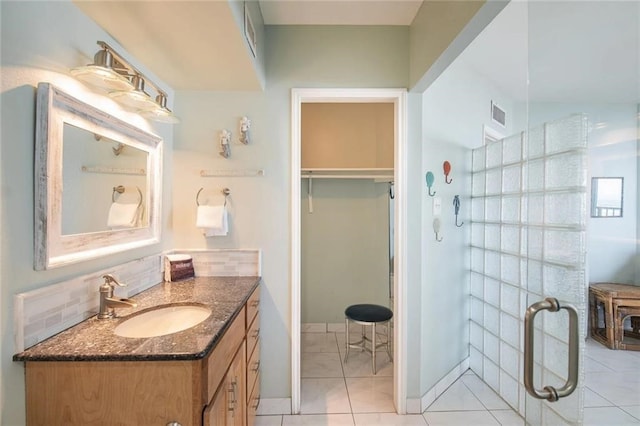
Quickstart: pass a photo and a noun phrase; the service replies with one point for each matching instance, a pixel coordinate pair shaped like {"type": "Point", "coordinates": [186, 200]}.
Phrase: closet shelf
{"type": "Point", "coordinates": [385, 174]}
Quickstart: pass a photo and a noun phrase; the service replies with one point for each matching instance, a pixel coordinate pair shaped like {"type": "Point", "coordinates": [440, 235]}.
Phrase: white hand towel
{"type": "Point", "coordinates": [212, 220]}
{"type": "Point", "coordinates": [123, 215]}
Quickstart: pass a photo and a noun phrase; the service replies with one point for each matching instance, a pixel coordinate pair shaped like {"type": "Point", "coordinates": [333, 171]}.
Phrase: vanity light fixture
{"type": "Point", "coordinates": [126, 84]}
{"type": "Point", "coordinates": [159, 111]}
{"type": "Point", "coordinates": [136, 98]}
{"type": "Point", "coordinates": [106, 72]}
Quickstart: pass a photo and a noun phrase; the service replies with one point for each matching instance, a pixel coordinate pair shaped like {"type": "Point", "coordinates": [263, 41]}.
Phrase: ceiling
{"type": "Point", "coordinates": [197, 45]}
{"type": "Point", "coordinates": [562, 51]}
{"type": "Point", "coordinates": [339, 12]}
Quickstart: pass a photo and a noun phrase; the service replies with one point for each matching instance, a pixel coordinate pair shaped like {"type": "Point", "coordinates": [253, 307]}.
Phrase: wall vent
{"type": "Point", "coordinates": [498, 115]}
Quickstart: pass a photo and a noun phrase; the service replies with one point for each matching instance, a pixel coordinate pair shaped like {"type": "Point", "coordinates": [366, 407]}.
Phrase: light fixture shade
{"type": "Point", "coordinates": [160, 112]}
{"type": "Point", "coordinates": [136, 98]}
{"type": "Point", "coordinates": [102, 73]}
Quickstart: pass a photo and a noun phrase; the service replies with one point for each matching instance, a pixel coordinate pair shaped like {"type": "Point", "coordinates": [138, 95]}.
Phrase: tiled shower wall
{"type": "Point", "coordinates": [41, 313]}
{"type": "Point", "coordinates": [528, 243]}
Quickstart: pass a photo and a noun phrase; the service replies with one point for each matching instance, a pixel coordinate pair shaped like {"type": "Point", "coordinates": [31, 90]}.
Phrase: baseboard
{"type": "Point", "coordinates": [419, 405]}
{"type": "Point", "coordinates": [274, 406]}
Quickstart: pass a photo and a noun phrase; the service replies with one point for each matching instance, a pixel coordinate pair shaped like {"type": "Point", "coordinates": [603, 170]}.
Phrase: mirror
{"type": "Point", "coordinates": [606, 196]}
{"type": "Point", "coordinates": [97, 182]}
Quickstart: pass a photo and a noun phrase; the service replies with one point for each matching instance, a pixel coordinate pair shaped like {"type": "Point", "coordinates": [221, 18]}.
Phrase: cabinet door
{"type": "Point", "coordinates": [215, 414]}
{"type": "Point", "coordinates": [237, 382]}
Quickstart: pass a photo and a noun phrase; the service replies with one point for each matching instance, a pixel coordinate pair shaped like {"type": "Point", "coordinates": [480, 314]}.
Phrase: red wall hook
{"type": "Point", "coordinates": [447, 169]}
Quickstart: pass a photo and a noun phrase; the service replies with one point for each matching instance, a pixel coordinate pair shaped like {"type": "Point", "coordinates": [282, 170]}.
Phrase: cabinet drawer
{"type": "Point", "coordinates": [253, 305]}
{"type": "Point", "coordinates": [253, 368]}
{"type": "Point", "coordinates": [253, 402]}
{"type": "Point", "coordinates": [218, 362]}
{"type": "Point", "coordinates": [253, 335]}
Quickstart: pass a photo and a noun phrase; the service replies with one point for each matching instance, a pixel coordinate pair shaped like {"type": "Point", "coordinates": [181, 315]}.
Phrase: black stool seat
{"type": "Point", "coordinates": [368, 313]}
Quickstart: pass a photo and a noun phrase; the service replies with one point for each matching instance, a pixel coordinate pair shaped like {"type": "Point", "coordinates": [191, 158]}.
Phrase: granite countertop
{"type": "Point", "coordinates": [94, 339]}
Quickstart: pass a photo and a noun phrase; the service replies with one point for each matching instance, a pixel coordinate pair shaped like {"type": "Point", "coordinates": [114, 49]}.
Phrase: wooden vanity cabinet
{"type": "Point", "coordinates": [220, 389]}
{"type": "Point", "coordinates": [236, 400]}
{"type": "Point", "coordinates": [228, 404]}
{"type": "Point", "coordinates": [253, 356]}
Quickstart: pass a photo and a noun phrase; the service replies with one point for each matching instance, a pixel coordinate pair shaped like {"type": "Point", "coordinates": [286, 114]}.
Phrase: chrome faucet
{"type": "Point", "coordinates": [108, 303]}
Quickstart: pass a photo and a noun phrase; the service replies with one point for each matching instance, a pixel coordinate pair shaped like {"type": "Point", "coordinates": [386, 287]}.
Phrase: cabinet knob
{"type": "Point", "coordinates": [174, 424]}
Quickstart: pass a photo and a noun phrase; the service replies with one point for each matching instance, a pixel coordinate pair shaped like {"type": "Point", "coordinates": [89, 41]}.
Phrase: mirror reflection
{"type": "Point", "coordinates": [108, 176]}
{"type": "Point", "coordinates": [606, 196]}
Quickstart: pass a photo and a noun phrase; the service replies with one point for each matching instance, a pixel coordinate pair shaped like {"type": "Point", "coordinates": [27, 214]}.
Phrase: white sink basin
{"type": "Point", "coordinates": [163, 320]}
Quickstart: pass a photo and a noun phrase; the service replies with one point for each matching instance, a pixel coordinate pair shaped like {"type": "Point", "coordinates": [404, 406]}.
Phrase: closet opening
{"type": "Point", "coordinates": [348, 237]}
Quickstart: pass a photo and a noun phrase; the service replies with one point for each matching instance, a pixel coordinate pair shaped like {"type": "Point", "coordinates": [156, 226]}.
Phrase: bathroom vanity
{"type": "Point", "coordinates": [207, 374]}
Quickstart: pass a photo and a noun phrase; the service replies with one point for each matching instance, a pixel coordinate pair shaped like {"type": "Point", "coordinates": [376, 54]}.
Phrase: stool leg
{"type": "Point", "coordinates": [364, 338]}
{"type": "Point", "coordinates": [389, 341]}
{"type": "Point", "coordinates": [373, 346]}
{"type": "Point", "coordinates": [346, 339]}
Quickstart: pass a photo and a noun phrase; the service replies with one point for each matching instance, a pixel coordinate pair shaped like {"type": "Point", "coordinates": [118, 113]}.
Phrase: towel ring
{"type": "Point", "coordinates": [120, 190]}
{"type": "Point", "coordinates": [225, 192]}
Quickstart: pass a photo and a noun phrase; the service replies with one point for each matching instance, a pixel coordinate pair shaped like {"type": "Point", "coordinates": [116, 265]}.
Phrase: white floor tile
{"type": "Point", "coordinates": [268, 421]}
{"type": "Point", "coordinates": [457, 398]}
{"type": "Point", "coordinates": [320, 364]}
{"type": "Point", "coordinates": [619, 388]}
{"type": "Point", "coordinates": [371, 394]}
{"type": "Point", "coordinates": [508, 417]}
{"type": "Point", "coordinates": [608, 416]}
{"type": "Point", "coordinates": [634, 410]}
{"type": "Point", "coordinates": [359, 364]}
{"type": "Point", "coordinates": [592, 399]}
{"type": "Point", "coordinates": [324, 396]}
{"type": "Point", "coordinates": [616, 360]}
{"type": "Point", "coordinates": [314, 327]}
{"type": "Point", "coordinates": [318, 342]}
{"type": "Point", "coordinates": [318, 420]}
{"type": "Point", "coordinates": [591, 365]}
{"type": "Point", "coordinates": [389, 419]}
{"type": "Point", "coordinates": [484, 393]}
{"type": "Point", "coordinates": [460, 418]}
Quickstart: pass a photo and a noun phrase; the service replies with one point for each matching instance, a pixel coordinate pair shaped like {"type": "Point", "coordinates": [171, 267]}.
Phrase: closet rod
{"type": "Point", "coordinates": [321, 176]}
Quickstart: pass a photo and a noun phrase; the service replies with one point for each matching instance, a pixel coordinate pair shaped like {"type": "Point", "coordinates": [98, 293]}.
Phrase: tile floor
{"type": "Point", "coordinates": [335, 393]}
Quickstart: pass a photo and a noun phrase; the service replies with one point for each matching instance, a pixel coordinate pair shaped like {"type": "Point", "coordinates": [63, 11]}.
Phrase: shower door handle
{"type": "Point", "coordinates": [549, 392]}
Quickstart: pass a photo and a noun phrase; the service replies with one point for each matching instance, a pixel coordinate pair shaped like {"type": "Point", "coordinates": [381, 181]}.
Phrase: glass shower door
{"type": "Point", "coordinates": [583, 88]}
{"type": "Point", "coordinates": [554, 270]}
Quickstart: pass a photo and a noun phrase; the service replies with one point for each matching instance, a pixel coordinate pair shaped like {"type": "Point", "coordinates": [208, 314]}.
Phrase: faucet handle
{"type": "Point", "coordinates": [110, 280]}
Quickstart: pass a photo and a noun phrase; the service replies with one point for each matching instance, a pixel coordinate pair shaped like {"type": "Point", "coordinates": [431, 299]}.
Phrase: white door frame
{"type": "Point", "coordinates": [399, 98]}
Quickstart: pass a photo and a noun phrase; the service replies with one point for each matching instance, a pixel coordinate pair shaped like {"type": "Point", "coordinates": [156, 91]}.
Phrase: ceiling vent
{"type": "Point", "coordinates": [498, 115]}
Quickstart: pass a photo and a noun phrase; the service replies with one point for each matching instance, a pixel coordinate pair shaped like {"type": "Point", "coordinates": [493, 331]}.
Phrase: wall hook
{"type": "Point", "coordinates": [225, 138]}
{"type": "Point", "coordinates": [117, 150]}
{"type": "Point", "coordinates": [436, 228]}
{"type": "Point", "coordinates": [456, 207]}
{"type": "Point", "coordinates": [430, 178]}
{"type": "Point", "coordinates": [447, 169]}
{"type": "Point", "coordinates": [245, 125]}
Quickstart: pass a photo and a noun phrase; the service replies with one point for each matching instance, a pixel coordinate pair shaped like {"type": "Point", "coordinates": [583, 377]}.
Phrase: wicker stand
{"type": "Point", "coordinates": [616, 302]}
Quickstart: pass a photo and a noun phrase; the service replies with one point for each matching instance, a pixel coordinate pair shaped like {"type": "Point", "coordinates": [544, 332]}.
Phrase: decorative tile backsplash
{"type": "Point", "coordinates": [224, 262]}
{"type": "Point", "coordinates": [41, 313]}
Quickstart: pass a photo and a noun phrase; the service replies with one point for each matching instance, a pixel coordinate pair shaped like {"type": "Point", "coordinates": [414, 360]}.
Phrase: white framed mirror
{"type": "Point", "coordinates": [607, 194]}
{"type": "Point", "coordinates": [97, 182]}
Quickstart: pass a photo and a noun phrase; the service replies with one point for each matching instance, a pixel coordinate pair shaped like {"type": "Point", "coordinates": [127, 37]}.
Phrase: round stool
{"type": "Point", "coordinates": [368, 315]}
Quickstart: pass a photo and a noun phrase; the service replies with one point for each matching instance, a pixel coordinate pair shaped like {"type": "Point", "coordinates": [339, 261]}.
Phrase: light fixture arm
{"type": "Point", "coordinates": [129, 70]}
